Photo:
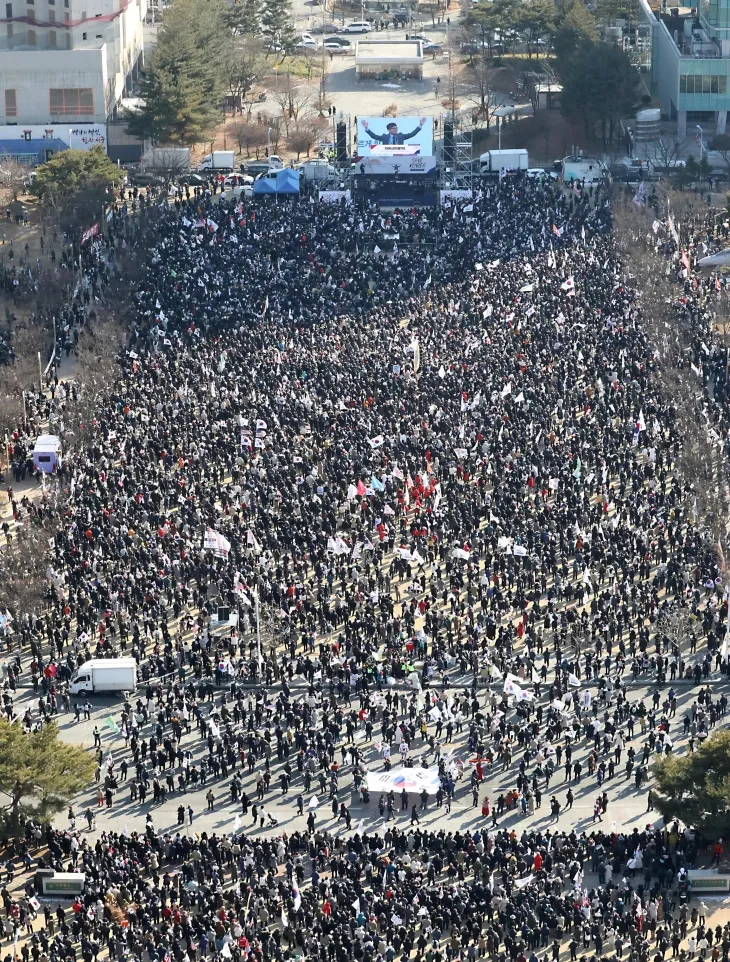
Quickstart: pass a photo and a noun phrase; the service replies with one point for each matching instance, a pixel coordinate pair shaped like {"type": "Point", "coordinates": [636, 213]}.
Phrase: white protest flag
{"type": "Point", "coordinates": [252, 542]}
{"type": "Point", "coordinates": [510, 688]}
{"type": "Point", "coordinates": [461, 553]}
{"type": "Point", "coordinates": [574, 680]}
{"type": "Point", "coordinates": [641, 422]}
{"type": "Point", "coordinates": [340, 546]}
{"type": "Point", "coordinates": [507, 389]}
{"type": "Point", "coordinates": [427, 282]}
{"type": "Point", "coordinates": [519, 551]}
{"type": "Point", "coordinates": [377, 442]}
{"type": "Point", "coordinates": [313, 802]}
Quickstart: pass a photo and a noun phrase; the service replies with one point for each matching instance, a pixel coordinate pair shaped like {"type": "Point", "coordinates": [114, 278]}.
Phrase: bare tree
{"type": "Point", "coordinates": [98, 353]}
{"type": "Point", "coordinates": [664, 152]}
{"type": "Point", "coordinates": [249, 134]}
{"type": "Point", "coordinates": [24, 565]}
{"type": "Point", "coordinates": [294, 99]}
{"type": "Point", "coordinates": [13, 176]}
{"type": "Point", "coordinates": [480, 76]}
{"type": "Point", "coordinates": [243, 67]}
{"type": "Point", "coordinates": [302, 138]}
{"type": "Point", "coordinates": [170, 163]}
{"type": "Point", "coordinates": [701, 466]}
{"type": "Point", "coordinates": [273, 125]}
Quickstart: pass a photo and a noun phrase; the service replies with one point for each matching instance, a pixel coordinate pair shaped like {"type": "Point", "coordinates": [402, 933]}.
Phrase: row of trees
{"type": "Point", "coordinates": [599, 83]}
{"type": "Point", "coordinates": [269, 20]}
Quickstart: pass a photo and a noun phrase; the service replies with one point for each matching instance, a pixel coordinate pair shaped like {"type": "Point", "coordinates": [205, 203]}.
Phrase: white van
{"type": "Point", "coordinates": [357, 26]}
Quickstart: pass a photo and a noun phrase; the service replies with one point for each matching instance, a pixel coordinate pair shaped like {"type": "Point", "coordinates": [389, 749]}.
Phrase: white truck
{"type": "Point", "coordinates": [104, 675]}
{"type": "Point", "coordinates": [220, 160]}
{"type": "Point", "coordinates": [496, 160]}
{"type": "Point", "coordinates": [590, 170]}
{"type": "Point", "coordinates": [318, 171]}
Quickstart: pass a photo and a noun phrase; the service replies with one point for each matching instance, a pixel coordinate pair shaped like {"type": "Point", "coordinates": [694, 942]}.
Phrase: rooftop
{"type": "Point", "coordinates": [393, 51]}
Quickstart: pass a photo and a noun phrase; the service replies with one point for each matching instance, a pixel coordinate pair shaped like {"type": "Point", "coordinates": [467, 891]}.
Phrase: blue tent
{"type": "Point", "coordinates": [285, 182]}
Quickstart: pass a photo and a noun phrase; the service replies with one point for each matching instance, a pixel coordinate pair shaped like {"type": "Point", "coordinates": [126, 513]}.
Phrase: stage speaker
{"type": "Point", "coordinates": [341, 142]}
{"type": "Point", "coordinates": [449, 143]}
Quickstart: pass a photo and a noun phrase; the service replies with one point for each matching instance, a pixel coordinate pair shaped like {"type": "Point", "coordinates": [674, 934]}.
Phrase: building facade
{"type": "Point", "coordinates": [691, 63]}
{"type": "Point", "coordinates": [68, 61]}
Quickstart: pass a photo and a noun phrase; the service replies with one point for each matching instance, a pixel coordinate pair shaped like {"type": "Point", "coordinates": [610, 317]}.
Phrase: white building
{"type": "Point", "coordinates": [67, 61]}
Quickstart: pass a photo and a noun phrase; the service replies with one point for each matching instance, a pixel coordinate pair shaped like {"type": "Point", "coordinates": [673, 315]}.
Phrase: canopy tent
{"type": "Point", "coordinates": [278, 182]}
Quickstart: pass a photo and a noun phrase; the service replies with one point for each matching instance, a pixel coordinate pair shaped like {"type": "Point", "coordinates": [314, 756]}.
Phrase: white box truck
{"type": "Point", "coordinates": [220, 160]}
{"type": "Point", "coordinates": [495, 160]}
{"type": "Point", "coordinates": [104, 675]}
{"type": "Point", "coordinates": [591, 170]}
{"type": "Point", "coordinates": [316, 171]}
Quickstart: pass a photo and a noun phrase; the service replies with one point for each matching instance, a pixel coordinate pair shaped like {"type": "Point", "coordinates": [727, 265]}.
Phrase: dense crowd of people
{"type": "Point", "coordinates": [433, 449]}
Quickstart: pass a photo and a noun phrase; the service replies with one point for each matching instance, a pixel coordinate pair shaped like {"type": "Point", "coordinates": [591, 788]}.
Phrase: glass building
{"type": "Point", "coordinates": [690, 62]}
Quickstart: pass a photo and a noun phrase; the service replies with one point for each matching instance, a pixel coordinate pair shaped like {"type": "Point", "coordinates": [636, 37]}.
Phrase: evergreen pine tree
{"type": "Point", "coordinates": [276, 23]}
{"type": "Point", "coordinates": [183, 85]}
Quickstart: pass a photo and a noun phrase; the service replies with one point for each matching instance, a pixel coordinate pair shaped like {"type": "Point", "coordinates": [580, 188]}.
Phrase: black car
{"type": "Point", "coordinates": [193, 179]}
{"type": "Point", "coordinates": [145, 178]}
{"type": "Point", "coordinates": [340, 41]}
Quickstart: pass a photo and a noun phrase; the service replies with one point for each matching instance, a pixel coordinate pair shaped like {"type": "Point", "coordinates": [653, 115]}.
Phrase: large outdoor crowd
{"type": "Point", "coordinates": [433, 449]}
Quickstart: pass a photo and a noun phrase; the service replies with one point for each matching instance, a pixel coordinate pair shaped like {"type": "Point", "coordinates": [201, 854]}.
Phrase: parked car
{"type": "Point", "coordinates": [357, 26]}
{"type": "Point", "coordinates": [145, 178]}
{"type": "Point", "coordinates": [237, 180]}
{"type": "Point", "coordinates": [326, 28]}
{"type": "Point", "coordinates": [432, 47]}
{"type": "Point", "coordinates": [310, 44]}
{"type": "Point", "coordinates": [195, 180]}
{"type": "Point", "coordinates": [243, 190]}
{"type": "Point", "coordinates": [340, 41]}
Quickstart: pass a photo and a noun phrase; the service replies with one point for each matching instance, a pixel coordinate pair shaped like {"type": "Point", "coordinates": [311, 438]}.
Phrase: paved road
{"type": "Point", "coordinates": [627, 806]}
